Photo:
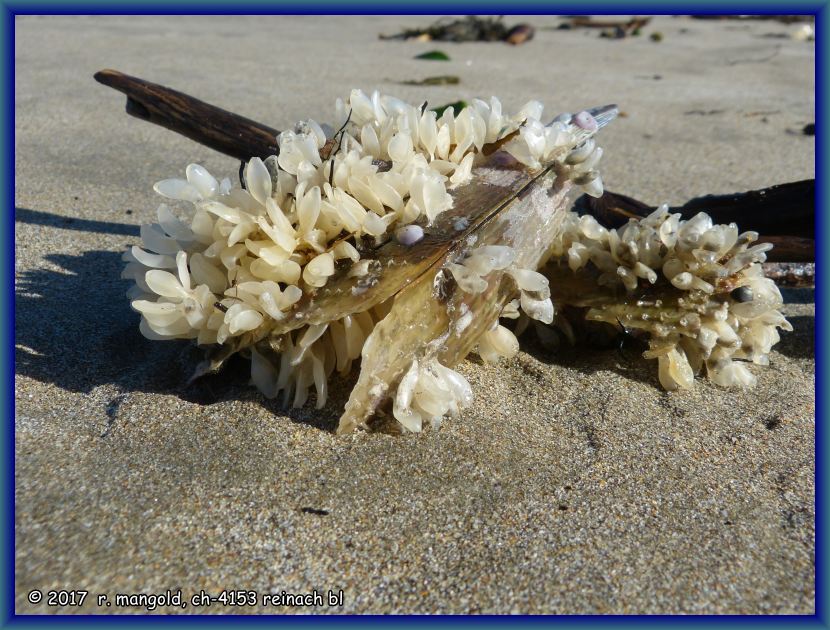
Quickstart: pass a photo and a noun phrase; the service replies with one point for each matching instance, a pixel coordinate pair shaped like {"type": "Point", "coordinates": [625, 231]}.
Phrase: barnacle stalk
{"type": "Point", "coordinates": [695, 289]}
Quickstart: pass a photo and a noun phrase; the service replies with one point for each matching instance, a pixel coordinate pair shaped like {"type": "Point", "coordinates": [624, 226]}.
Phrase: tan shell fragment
{"type": "Point", "coordinates": [424, 320]}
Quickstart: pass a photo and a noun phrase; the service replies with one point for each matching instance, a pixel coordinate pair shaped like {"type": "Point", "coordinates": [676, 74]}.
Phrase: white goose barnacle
{"type": "Point", "coordinates": [471, 272]}
{"type": "Point", "coordinates": [298, 270]}
{"type": "Point", "coordinates": [430, 391]}
{"type": "Point", "coordinates": [590, 182]}
{"type": "Point", "coordinates": [581, 153]}
{"type": "Point", "coordinates": [704, 311]}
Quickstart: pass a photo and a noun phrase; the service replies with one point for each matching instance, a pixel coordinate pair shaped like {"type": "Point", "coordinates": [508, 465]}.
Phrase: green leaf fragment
{"type": "Point", "coordinates": [446, 79]}
{"type": "Point", "coordinates": [433, 55]}
{"type": "Point", "coordinates": [456, 107]}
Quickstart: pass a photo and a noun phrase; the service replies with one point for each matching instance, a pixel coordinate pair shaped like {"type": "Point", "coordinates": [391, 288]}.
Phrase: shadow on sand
{"type": "Point", "coordinates": [74, 328]}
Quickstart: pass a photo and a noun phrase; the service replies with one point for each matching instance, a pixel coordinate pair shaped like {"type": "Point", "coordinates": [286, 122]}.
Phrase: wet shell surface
{"type": "Point", "coordinates": [403, 240]}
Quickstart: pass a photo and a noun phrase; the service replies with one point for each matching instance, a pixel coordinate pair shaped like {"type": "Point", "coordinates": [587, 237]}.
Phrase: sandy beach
{"type": "Point", "coordinates": [574, 484]}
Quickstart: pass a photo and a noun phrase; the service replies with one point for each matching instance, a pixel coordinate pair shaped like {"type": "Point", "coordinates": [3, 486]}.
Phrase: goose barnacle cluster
{"type": "Point", "coordinates": [471, 276]}
{"type": "Point", "coordinates": [402, 238]}
{"type": "Point", "coordinates": [232, 273]}
{"type": "Point", "coordinates": [430, 391]}
{"type": "Point", "coordinates": [697, 289]}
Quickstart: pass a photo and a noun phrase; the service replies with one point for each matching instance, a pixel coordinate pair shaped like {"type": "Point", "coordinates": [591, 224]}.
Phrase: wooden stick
{"type": "Point", "coordinates": [626, 25]}
{"type": "Point", "coordinates": [789, 248]}
{"type": "Point", "coordinates": [791, 274]}
{"type": "Point", "coordinates": [211, 126]}
{"type": "Point", "coordinates": [785, 209]}
{"type": "Point", "coordinates": [782, 214]}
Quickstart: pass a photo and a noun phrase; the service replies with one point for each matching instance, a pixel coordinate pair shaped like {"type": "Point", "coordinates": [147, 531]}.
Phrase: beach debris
{"type": "Point", "coordinates": [221, 130]}
{"type": "Point", "coordinates": [809, 129]}
{"type": "Point", "coordinates": [455, 107]}
{"type": "Point", "coordinates": [656, 36]}
{"type": "Point", "coordinates": [784, 19]}
{"type": "Point", "coordinates": [323, 259]}
{"type": "Point", "coordinates": [804, 33]}
{"type": "Point", "coordinates": [468, 29]}
{"type": "Point", "coordinates": [609, 28]}
{"type": "Point", "coordinates": [614, 33]}
{"type": "Point", "coordinates": [299, 275]}
{"type": "Point", "coordinates": [703, 112]}
{"type": "Point", "coordinates": [520, 34]}
{"type": "Point", "coordinates": [445, 79]}
{"type": "Point", "coordinates": [763, 114]}
{"type": "Point", "coordinates": [433, 55]}
{"type": "Point", "coordinates": [584, 21]}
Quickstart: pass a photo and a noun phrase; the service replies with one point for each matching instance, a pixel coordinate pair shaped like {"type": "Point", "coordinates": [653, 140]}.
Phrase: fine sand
{"type": "Point", "coordinates": [574, 484]}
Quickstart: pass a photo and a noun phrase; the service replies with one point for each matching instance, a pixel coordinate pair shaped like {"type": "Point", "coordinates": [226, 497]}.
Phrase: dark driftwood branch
{"type": "Point", "coordinates": [211, 126]}
{"type": "Point", "coordinates": [782, 214]}
{"type": "Point", "coordinates": [790, 248]}
{"type": "Point", "coordinates": [627, 25]}
{"type": "Point", "coordinates": [785, 209]}
{"type": "Point", "coordinates": [791, 274]}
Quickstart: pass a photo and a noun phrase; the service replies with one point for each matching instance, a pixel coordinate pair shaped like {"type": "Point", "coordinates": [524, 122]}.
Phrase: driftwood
{"type": "Point", "coordinates": [211, 126]}
{"type": "Point", "coordinates": [790, 248]}
{"type": "Point", "coordinates": [627, 25]}
{"type": "Point", "coordinates": [791, 274]}
{"type": "Point", "coordinates": [614, 28]}
{"type": "Point", "coordinates": [784, 214]}
{"type": "Point", "coordinates": [785, 209]}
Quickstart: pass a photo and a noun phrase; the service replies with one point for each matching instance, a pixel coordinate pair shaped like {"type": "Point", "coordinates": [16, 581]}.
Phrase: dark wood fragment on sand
{"type": "Point", "coordinates": [221, 130]}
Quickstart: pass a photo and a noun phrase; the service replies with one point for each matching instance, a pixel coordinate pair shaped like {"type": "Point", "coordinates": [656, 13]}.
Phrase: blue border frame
{"type": "Point", "coordinates": [425, 7]}
{"type": "Point", "coordinates": [6, 317]}
{"type": "Point", "coordinates": [189, 7]}
{"type": "Point", "coordinates": [822, 226]}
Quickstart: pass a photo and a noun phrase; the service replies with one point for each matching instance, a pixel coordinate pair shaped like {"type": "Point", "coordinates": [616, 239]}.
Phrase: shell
{"type": "Point", "coordinates": [409, 234]}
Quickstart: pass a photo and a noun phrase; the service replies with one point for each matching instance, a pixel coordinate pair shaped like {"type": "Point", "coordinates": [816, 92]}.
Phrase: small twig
{"type": "Point", "coordinates": [628, 25]}
{"type": "Point", "coordinates": [703, 112]}
{"type": "Point", "coordinates": [333, 154]}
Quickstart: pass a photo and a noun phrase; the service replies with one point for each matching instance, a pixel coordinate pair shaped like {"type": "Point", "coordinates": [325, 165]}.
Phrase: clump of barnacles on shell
{"type": "Point", "coordinates": [405, 240]}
